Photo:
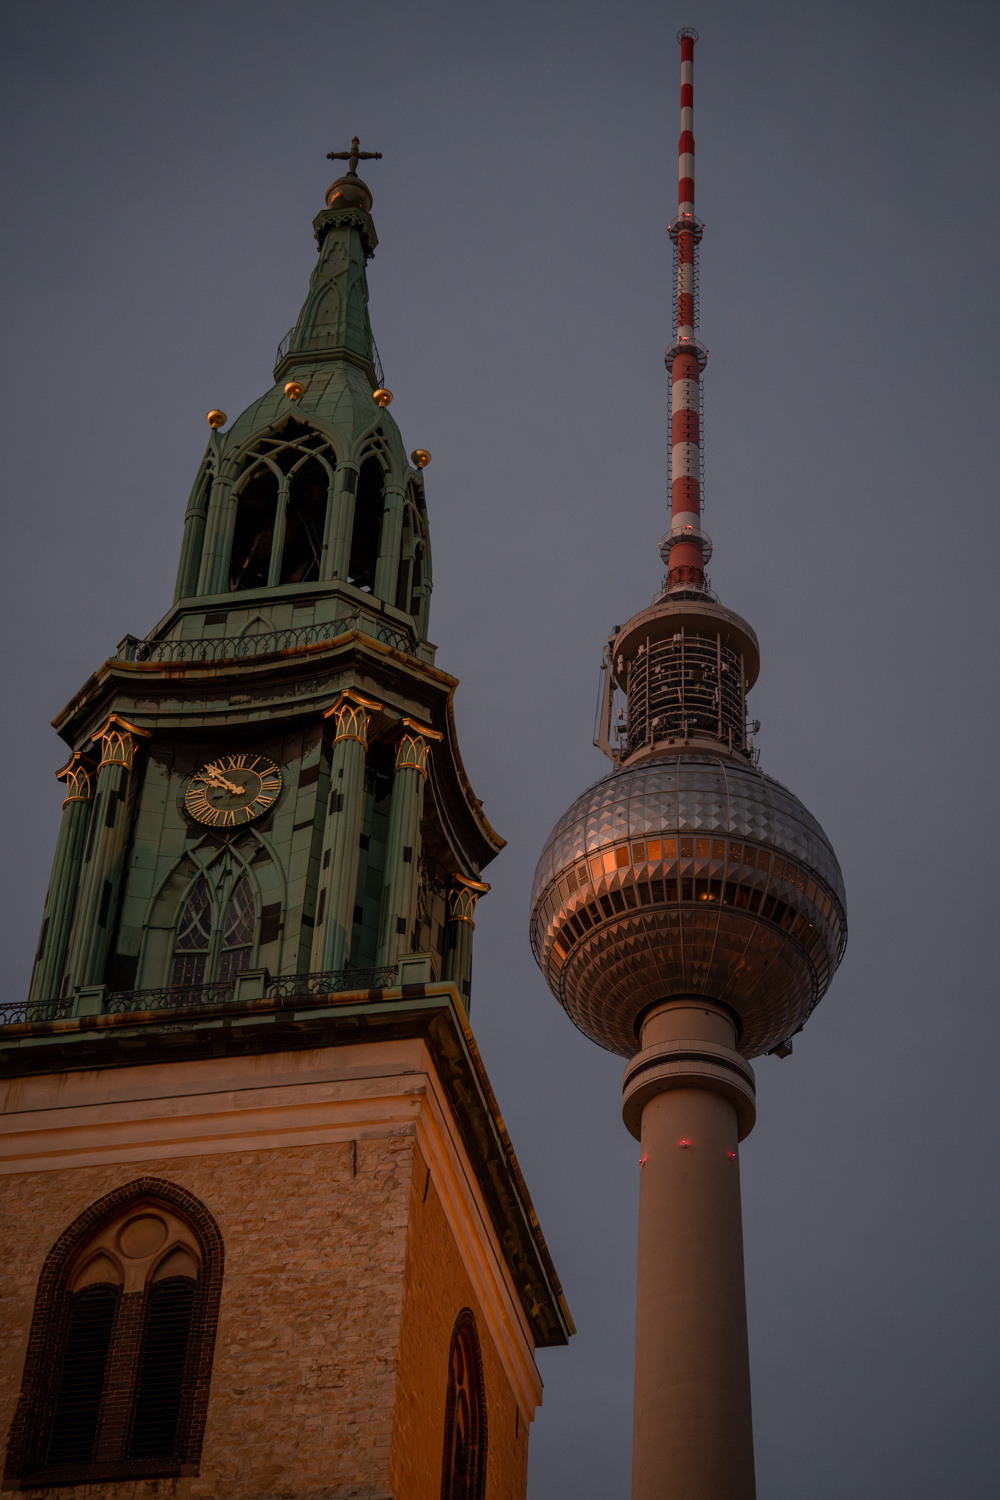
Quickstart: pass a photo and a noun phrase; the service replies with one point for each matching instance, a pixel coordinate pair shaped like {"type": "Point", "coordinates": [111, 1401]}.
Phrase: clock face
{"type": "Point", "coordinates": [233, 789]}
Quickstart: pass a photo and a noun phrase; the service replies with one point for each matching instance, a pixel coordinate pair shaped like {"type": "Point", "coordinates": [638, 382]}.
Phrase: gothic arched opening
{"type": "Point", "coordinates": [215, 941]}
{"type": "Point", "coordinates": [463, 1475]}
{"type": "Point", "coordinates": [305, 520]}
{"type": "Point", "coordinates": [367, 534]}
{"type": "Point", "coordinates": [250, 559]}
{"type": "Point", "coordinates": [119, 1357]}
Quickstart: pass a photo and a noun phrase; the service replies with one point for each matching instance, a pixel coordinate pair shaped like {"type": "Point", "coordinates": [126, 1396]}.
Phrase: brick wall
{"type": "Point", "coordinates": [435, 1289]}
{"type": "Point", "coordinates": [325, 1296]}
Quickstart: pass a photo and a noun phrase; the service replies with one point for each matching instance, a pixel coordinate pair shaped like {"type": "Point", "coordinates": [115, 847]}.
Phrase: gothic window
{"type": "Point", "coordinates": [250, 560]}
{"type": "Point", "coordinates": [203, 952]}
{"type": "Point", "coordinates": [115, 1382]}
{"type": "Point", "coordinates": [237, 930]}
{"type": "Point", "coordinates": [194, 937]}
{"type": "Point", "coordinates": [305, 520]}
{"type": "Point", "coordinates": [281, 509]}
{"type": "Point", "coordinates": [464, 1470]}
{"type": "Point", "coordinates": [367, 534]}
{"type": "Point", "coordinates": [410, 574]}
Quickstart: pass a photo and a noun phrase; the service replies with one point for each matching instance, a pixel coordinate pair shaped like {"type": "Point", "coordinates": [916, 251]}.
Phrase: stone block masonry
{"type": "Point", "coordinates": [354, 1235]}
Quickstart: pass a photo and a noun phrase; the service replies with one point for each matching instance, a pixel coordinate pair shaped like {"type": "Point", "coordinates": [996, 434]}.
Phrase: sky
{"type": "Point", "coordinates": [162, 165]}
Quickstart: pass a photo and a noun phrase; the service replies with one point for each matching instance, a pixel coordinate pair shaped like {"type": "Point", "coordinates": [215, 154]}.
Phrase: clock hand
{"type": "Point", "coordinates": [215, 778]}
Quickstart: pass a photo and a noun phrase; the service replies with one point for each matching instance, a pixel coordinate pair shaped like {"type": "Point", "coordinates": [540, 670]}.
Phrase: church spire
{"type": "Point", "coordinates": [333, 323]}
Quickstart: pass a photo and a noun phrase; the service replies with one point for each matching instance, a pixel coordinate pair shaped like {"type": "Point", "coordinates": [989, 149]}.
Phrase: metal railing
{"type": "Point", "coordinates": [319, 341]}
{"type": "Point", "coordinates": [20, 1012]}
{"type": "Point", "coordinates": [192, 996]}
{"type": "Point", "coordinates": [172, 997]}
{"type": "Point", "coordinates": [331, 982]}
{"type": "Point", "coordinates": [243, 647]}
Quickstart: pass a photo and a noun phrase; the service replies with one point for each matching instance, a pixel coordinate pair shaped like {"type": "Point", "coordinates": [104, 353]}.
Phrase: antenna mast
{"type": "Point", "coordinates": [686, 548]}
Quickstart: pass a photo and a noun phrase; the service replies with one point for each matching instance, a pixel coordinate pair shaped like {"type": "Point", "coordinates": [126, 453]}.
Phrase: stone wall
{"type": "Point", "coordinates": [436, 1287]}
{"type": "Point", "coordinates": [304, 1373]}
{"type": "Point", "coordinates": [339, 1297]}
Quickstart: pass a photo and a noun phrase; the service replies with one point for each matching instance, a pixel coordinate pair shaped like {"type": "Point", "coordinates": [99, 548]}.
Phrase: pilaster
{"type": "Point", "coordinates": [403, 845]}
{"type": "Point", "coordinates": [341, 837]}
{"type": "Point", "coordinates": [461, 925]}
{"type": "Point", "coordinates": [193, 542]}
{"type": "Point", "coordinates": [390, 543]}
{"type": "Point", "coordinates": [340, 523]}
{"type": "Point", "coordinates": [218, 538]}
{"type": "Point", "coordinates": [60, 899]}
{"type": "Point", "coordinates": [104, 854]}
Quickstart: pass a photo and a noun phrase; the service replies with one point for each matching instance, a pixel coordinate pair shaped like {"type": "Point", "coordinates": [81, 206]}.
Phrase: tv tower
{"type": "Point", "coordinates": [688, 913]}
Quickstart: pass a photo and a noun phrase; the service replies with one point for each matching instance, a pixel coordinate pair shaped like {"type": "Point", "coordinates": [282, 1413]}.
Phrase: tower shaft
{"type": "Point", "coordinates": [692, 1435]}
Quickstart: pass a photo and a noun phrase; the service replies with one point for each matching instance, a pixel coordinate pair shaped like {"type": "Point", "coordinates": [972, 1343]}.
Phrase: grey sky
{"type": "Point", "coordinates": [162, 166]}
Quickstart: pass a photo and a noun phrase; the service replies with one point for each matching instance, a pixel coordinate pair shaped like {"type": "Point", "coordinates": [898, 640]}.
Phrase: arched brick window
{"type": "Point", "coordinates": [463, 1474]}
{"type": "Point", "coordinates": [119, 1357]}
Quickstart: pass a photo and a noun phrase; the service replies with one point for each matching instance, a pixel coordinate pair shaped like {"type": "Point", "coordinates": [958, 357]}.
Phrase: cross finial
{"type": "Point", "coordinates": [353, 156]}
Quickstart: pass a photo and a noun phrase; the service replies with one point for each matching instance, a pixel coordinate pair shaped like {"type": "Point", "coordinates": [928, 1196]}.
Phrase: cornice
{"type": "Point", "coordinates": [329, 218]}
{"type": "Point", "coordinates": [431, 1011]}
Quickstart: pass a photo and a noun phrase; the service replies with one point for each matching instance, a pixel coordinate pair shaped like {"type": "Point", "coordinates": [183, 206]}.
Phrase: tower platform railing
{"type": "Point", "coordinates": [219, 649]}
{"type": "Point", "coordinates": [194, 996]}
{"type": "Point", "coordinates": [316, 342]}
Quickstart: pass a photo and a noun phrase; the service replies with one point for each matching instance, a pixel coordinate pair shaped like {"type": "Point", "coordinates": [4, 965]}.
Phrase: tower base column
{"type": "Point", "coordinates": [689, 1098]}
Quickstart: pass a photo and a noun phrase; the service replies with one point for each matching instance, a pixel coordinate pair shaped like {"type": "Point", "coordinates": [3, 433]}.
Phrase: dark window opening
{"type": "Point", "coordinates": [367, 533]}
{"type": "Point", "coordinates": [305, 519]}
{"type": "Point", "coordinates": [465, 1433]}
{"type": "Point", "coordinates": [250, 560]}
{"type": "Point", "coordinates": [81, 1384]}
{"type": "Point", "coordinates": [114, 1385]}
{"type": "Point", "coordinates": [161, 1368]}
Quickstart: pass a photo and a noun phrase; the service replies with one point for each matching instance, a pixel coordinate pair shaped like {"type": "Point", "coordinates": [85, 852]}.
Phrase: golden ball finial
{"type": "Point", "coordinates": [293, 390]}
{"type": "Point", "coordinates": [381, 397]}
{"type": "Point", "coordinates": [420, 457]}
{"type": "Point", "coordinates": [216, 419]}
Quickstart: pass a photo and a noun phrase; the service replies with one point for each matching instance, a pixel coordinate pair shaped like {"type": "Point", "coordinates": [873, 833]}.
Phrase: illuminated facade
{"type": "Point", "coordinates": [270, 1232]}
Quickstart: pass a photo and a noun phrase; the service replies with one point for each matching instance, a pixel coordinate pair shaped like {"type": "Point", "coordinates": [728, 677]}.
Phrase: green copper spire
{"type": "Point", "coordinates": [266, 792]}
{"type": "Point", "coordinates": [310, 488]}
{"type": "Point", "coordinates": [333, 323]}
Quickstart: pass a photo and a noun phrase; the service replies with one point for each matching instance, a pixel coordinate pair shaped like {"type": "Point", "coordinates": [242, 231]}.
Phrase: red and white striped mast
{"type": "Point", "coordinates": [686, 548]}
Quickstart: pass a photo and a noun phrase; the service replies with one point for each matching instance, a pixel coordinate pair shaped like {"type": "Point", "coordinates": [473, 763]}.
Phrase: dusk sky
{"type": "Point", "coordinates": [163, 163]}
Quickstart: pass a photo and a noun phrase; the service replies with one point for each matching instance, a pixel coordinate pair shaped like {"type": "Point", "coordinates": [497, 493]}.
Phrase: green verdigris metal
{"type": "Point", "coordinates": [303, 596]}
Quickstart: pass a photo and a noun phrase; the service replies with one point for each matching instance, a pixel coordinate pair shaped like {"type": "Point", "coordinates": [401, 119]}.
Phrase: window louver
{"type": "Point", "coordinates": [161, 1368]}
{"type": "Point", "coordinates": [78, 1403]}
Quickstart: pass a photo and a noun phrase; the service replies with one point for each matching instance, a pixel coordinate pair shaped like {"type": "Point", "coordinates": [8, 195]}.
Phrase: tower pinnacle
{"type": "Point", "coordinates": [350, 191]}
{"type": "Point", "coordinates": [353, 156]}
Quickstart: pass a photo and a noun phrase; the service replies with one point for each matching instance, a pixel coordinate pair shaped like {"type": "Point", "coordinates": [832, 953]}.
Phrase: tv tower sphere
{"type": "Point", "coordinates": [688, 913]}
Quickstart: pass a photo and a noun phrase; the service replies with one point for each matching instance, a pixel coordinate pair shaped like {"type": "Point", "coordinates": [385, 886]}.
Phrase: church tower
{"type": "Point", "coordinates": [269, 1231]}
